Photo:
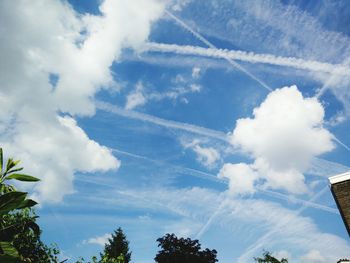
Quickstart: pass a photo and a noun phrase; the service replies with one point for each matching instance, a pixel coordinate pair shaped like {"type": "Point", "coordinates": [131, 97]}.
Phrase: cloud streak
{"type": "Point", "coordinates": [161, 122]}
{"type": "Point", "coordinates": [212, 52]}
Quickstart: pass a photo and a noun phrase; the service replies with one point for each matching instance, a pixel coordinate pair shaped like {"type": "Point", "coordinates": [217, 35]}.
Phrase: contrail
{"type": "Point", "coordinates": [209, 44]}
{"type": "Point", "coordinates": [341, 143]}
{"type": "Point", "coordinates": [214, 178]}
{"type": "Point", "coordinates": [212, 52]}
{"type": "Point", "coordinates": [283, 223]}
{"type": "Point", "coordinates": [293, 199]}
{"type": "Point", "coordinates": [274, 194]}
{"type": "Point", "coordinates": [333, 78]}
{"type": "Point", "coordinates": [206, 226]}
{"type": "Point", "coordinates": [176, 168]}
{"type": "Point", "coordinates": [162, 122]}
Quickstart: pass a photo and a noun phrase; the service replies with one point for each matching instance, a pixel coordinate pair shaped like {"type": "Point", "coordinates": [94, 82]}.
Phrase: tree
{"type": "Point", "coordinates": [11, 200]}
{"type": "Point", "coordinates": [117, 248]}
{"type": "Point", "coordinates": [268, 258]}
{"type": "Point", "coordinates": [19, 233]}
{"type": "Point", "coordinates": [28, 242]}
{"type": "Point", "coordinates": [175, 250]}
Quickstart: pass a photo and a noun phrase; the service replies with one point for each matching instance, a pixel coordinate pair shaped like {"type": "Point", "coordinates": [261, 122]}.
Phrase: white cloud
{"type": "Point", "coordinates": [140, 96]}
{"type": "Point", "coordinates": [282, 254]}
{"type": "Point", "coordinates": [178, 5]}
{"type": "Point", "coordinates": [208, 156]}
{"type": "Point", "coordinates": [241, 177]}
{"type": "Point", "coordinates": [284, 135]}
{"type": "Point", "coordinates": [182, 228]}
{"type": "Point", "coordinates": [43, 38]}
{"type": "Point", "coordinates": [135, 98]}
{"type": "Point", "coordinates": [55, 152]}
{"type": "Point", "coordinates": [196, 71]}
{"type": "Point", "coordinates": [339, 86]}
{"type": "Point", "coordinates": [100, 240]}
{"type": "Point", "coordinates": [313, 256]}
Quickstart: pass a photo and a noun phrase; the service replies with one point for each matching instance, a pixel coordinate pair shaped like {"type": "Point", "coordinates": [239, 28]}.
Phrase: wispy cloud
{"type": "Point", "coordinates": [162, 122]}
{"type": "Point", "coordinates": [210, 177]}
{"type": "Point", "coordinates": [209, 44]}
{"type": "Point", "coordinates": [180, 87]}
{"type": "Point", "coordinates": [283, 222]}
{"type": "Point", "coordinates": [136, 97]}
{"type": "Point", "coordinates": [208, 156]}
{"type": "Point", "coordinates": [284, 226]}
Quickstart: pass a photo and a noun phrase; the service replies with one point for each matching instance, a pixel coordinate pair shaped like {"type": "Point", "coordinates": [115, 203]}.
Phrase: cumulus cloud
{"type": "Point", "coordinates": [55, 152]}
{"type": "Point", "coordinates": [49, 38]}
{"type": "Point", "coordinates": [241, 177]}
{"type": "Point", "coordinates": [283, 136]}
{"type": "Point", "coordinates": [100, 240]}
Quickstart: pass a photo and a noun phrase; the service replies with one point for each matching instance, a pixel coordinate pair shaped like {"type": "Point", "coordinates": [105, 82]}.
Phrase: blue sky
{"type": "Point", "coordinates": [216, 120]}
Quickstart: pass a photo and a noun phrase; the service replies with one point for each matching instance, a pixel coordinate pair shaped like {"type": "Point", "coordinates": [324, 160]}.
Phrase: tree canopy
{"type": "Point", "coordinates": [117, 247]}
{"type": "Point", "coordinates": [268, 258]}
{"type": "Point", "coordinates": [16, 227]}
{"type": "Point", "coordinates": [184, 250]}
{"type": "Point", "coordinates": [28, 242]}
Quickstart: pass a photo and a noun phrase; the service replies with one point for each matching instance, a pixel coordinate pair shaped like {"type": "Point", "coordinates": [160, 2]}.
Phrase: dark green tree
{"type": "Point", "coordinates": [184, 250]}
{"type": "Point", "coordinates": [27, 241]}
{"type": "Point", "coordinates": [19, 233]}
{"type": "Point", "coordinates": [268, 258]}
{"type": "Point", "coordinates": [117, 247]}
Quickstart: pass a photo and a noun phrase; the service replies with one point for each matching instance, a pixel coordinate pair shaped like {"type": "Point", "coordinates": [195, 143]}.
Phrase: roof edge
{"type": "Point", "coordinates": [339, 178]}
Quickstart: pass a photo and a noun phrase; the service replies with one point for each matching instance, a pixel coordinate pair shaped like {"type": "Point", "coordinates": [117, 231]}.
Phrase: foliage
{"type": "Point", "coordinates": [175, 250]}
{"type": "Point", "coordinates": [95, 260]}
{"type": "Point", "coordinates": [28, 242]}
{"type": "Point", "coordinates": [10, 200]}
{"type": "Point", "coordinates": [117, 248]}
{"type": "Point", "coordinates": [268, 258]}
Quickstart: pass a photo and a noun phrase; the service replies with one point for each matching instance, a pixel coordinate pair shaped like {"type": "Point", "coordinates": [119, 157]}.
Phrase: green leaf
{"type": "Point", "coordinates": [7, 233]}
{"type": "Point", "coordinates": [1, 159]}
{"type": "Point", "coordinates": [35, 227]}
{"type": "Point", "coordinates": [27, 203]}
{"type": "Point", "coordinates": [15, 170]}
{"type": "Point", "coordinates": [10, 164]}
{"type": "Point", "coordinates": [22, 177]}
{"type": "Point", "coordinates": [11, 201]}
{"type": "Point", "coordinates": [8, 249]}
{"type": "Point", "coordinates": [5, 188]}
{"type": "Point", "coordinates": [9, 259]}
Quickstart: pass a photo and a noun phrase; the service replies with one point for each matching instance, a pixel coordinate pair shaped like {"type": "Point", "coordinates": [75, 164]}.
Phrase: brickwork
{"type": "Point", "coordinates": [341, 193]}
